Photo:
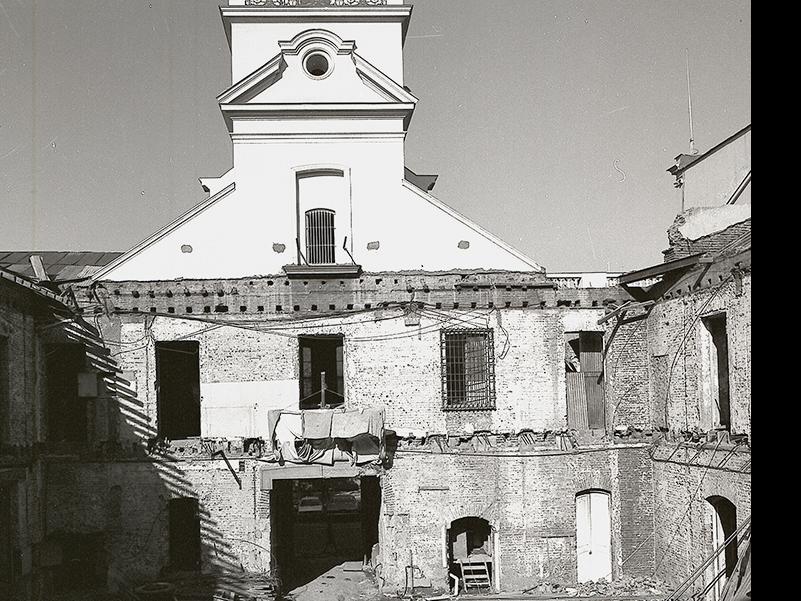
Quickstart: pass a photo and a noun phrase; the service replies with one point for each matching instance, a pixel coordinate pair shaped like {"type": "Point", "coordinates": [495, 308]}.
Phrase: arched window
{"type": "Point", "coordinates": [593, 535]}
{"type": "Point", "coordinates": [320, 241]}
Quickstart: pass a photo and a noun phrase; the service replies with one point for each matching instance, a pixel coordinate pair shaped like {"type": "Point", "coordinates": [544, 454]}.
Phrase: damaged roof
{"type": "Point", "coordinates": [59, 265]}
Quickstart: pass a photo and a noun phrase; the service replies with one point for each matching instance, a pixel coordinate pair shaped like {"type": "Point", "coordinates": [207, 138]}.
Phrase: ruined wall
{"type": "Point", "coordinates": [21, 414]}
{"type": "Point", "coordinates": [529, 499]}
{"type": "Point", "coordinates": [675, 347]}
{"type": "Point", "coordinates": [21, 425]}
{"type": "Point", "coordinates": [252, 366]}
{"type": "Point", "coordinates": [126, 503]}
{"type": "Point", "coordinates": [682, 533]}
{"type": "Point", "coordinates": [627, 389]}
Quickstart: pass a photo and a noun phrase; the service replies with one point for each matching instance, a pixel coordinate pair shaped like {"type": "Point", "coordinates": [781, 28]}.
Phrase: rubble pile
{"type": "Point", "coordinates": [624, 586]}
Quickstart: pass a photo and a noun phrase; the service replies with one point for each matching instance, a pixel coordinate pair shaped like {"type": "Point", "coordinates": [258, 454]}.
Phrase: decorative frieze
{"type": "Point", "coordinates": [315, 3]}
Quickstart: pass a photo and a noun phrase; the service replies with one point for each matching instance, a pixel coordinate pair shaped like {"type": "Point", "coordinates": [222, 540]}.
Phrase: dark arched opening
{"type": "Point", "coordinates": [727, 518]}
{"type": "Point", "coordinates": [470, 552]}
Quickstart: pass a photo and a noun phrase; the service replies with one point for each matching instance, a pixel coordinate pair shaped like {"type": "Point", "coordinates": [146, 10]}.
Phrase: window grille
{"type": "Point", "coordinates": [320, 236]}
{"type": "Point", "coordinates": [468, 370]}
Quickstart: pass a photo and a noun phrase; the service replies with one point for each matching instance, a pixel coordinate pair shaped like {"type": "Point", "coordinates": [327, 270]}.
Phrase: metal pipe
{"type": "Point", "coordinates": [456, 584]}
{"type": "Point", "coordinates": [411, 565]}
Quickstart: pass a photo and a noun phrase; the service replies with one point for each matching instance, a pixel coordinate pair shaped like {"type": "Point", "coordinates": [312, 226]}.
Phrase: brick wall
{"type": "Point", "coordinates": [682, 247]}
{"type": "Point", "coordinates": [530, 501]}
{"type": "Point", "coordinates": [128, 504]}
{"type": "Point", "coordinates": [627, 391]}
{"type": "Point", "coordinates": [387, 364]}
{"type": "Point", "coordinates": [682, 533]}
{"type": "Point", "coordinates": [675, 349]}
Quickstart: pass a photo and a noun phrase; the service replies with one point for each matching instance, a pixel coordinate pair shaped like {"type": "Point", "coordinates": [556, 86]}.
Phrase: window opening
{"type": "Point", "coordinates": [322, 381]}
{"type": "Point", "coordinates": [719, 369]}
{"type": "Point", "coordinates": [178, 380]}
{"type": "Point", "coordinates": [320, 241]}
{"type": "Point", "coordinates": [468, 369]}
{"type": "Point", "coordinates": [585, 380]}
{"type": "Point", "coordinates": [66, 416]}
{"type": "Point", "coordinates": [317, 64]}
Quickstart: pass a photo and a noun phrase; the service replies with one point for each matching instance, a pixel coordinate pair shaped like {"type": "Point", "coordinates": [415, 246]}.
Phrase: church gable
{"type": "Point", "coordinates": [316, 67]}
{"type": "Point", "coordinates": [317, 184]}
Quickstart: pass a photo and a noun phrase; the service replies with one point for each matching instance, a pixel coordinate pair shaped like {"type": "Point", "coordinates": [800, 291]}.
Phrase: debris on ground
{"type": "Point", "coordinates": [626, 585]}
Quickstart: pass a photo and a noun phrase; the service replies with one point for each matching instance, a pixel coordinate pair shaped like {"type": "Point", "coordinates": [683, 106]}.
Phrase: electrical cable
{"type": "Point", "coordinates": [689, 506]}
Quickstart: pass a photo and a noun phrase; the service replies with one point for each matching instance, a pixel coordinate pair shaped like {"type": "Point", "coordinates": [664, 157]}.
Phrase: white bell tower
{"type": "Point", "coordinates": [318, 114]}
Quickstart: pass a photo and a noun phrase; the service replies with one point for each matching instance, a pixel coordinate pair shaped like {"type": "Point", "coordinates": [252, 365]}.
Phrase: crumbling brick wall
{"type": "Point", "coordinates": [126, 503]}
{"type": "Point", "coordinates": [530, 500]}
{"type": "Point", "coordinates": [675, 329]}
{"type": "Point", "coordinates": [22, 425]}
{"type": "Point", "coordinates": [627, 393]}
{"type": "Point", "coordinates": [682, 536]}
{"type": "Point", "coordinates": [386, 363]}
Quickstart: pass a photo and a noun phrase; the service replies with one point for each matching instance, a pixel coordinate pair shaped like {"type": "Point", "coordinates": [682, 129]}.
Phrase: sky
{"type": "Point", "coordinates": [550, 123]}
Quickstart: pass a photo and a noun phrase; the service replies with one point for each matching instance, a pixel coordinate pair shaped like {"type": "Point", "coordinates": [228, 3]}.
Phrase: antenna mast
{"type": "Point", "coordinates": [693, 149]}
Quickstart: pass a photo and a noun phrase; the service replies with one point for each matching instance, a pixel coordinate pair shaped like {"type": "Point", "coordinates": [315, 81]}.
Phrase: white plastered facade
{"type": "Point", "coordinates": [287, 125]}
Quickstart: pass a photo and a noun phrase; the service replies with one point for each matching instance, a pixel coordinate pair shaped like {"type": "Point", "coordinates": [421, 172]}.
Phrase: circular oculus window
{"type": "Point", "coordinates": [317, 65]}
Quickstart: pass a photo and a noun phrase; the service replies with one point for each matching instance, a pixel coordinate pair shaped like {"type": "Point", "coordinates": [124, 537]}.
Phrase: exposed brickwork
{"type": "Point", "coordinates": [529, 500]}
{"type": "Point", "coordinates": [118, 484]}
{"type": "Point", "coordinates": [682, 247]}
{"type": "Point", "coordinates": [672, 358]}
{"type": "Point", "coordinates": [627, 376]}
{"type": "Point", "coordinates": [283, 296]}
{"type": "Point", "coordinates": [682, 531]}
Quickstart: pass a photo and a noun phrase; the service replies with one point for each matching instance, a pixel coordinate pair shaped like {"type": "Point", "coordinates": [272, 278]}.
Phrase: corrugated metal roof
{"type": "Point", "coordinates": [60, 265]}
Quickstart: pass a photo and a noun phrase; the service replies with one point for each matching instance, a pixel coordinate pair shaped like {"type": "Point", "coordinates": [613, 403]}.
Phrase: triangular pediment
{"type": "Point", "coordinates": [285, 79]}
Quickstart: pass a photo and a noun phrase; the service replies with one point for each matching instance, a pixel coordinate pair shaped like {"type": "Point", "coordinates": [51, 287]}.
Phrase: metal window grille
{"type": "Point", "coordinates": [320, 236]}
{"type": "Point", "coordinates": [468, 370]}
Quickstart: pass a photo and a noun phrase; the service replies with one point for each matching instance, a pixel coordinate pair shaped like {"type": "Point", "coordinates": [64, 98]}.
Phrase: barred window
{"type": "Point", "coordinates": [320, 236]}
{"type": "Point", "coordinates": [468, 370]}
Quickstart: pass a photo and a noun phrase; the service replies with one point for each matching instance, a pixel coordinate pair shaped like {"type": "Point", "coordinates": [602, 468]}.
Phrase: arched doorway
{"type": "Point", "coordinates": [721, 521]}
{"type": "Point", "coordinates": [593, 535]}
{"type": "Point", "coordinates": [471, 553]}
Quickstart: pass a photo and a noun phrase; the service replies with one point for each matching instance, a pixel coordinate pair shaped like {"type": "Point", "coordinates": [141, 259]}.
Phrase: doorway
{"type": "Point", "coordinates": [593, 536]}
{"type": "Point", "coordinates": [471, 553]}
{"type": "Point", "coordinates": [721, 521]}
{"type": "Point", "coordinates": [323, 526]}
{"type": "Point", "coordinates": [184, 534]}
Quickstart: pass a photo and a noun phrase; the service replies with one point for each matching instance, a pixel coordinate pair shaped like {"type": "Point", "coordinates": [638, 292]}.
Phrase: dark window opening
{"type": "Point", "coordinates": [716, 326]}
{"type": "Point", "coordinates": [184, 534]}
{"type": "Point", "coordinates": [584, 377]}
{"type": "Point", "coordinates": [83, 562]}
{"type": "Point", "coordinates": [322, 380]}
{"type": "Point", "coordinates": [66, 410]}
{"type": "Point", "coordinates": [178, 380]}
{"type": "Point", "coordinates": [7, 571]}
{"type": "Point", "coordinates": [721, 528]}
{"type": "Point", "coordinates": [5, 397]}
{"type": "Point", "coordinates": [320, 244]}
{"type": "Point", "coordinates": [468, 370]}
{"type": "Point", "coordinates": [317, 64]}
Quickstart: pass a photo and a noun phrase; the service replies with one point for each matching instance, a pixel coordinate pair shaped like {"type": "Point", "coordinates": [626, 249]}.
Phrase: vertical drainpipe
{"type": "Point", "coordinates": [496, 543]}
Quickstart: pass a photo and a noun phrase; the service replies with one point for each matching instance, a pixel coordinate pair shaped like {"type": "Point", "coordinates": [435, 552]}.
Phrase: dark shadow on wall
{"type": "Point", "coordinates": [121, 505]}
